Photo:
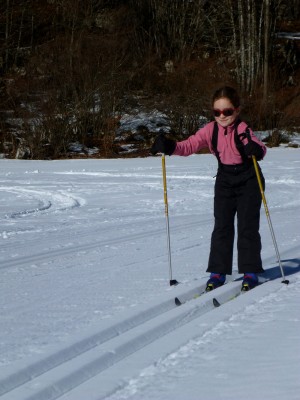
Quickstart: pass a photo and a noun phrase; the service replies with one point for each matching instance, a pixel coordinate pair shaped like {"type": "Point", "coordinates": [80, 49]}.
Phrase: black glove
{"type": "Point", "coordinates": [251, 148]}
{"type": "Point", "coordinates": [164, 145]}
{"type": "Point", "coordinates": [254, 149]}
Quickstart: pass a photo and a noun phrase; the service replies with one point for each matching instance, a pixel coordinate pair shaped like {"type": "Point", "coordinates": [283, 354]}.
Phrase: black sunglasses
{"type": "Point", "coordinates": [227, 112]}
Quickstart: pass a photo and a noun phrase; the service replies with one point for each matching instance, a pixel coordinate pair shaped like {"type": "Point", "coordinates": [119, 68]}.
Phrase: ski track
{"type": "Point", "coordinates": [156, 381]}
{"type": "Point", "coordinates": [63, 374]}
{"type": "Point", "coordinates": [70, 250]}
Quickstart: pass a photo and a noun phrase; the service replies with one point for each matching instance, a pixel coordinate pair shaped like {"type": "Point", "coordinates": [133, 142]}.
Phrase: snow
{"type": "Point", "coordinates": [153, 121]}
{"type": "Point", "coordinates": [87, 311]}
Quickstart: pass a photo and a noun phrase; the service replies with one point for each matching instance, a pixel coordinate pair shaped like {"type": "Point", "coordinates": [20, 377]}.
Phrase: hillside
{"type": "Point", "coordinates": [70, 71]}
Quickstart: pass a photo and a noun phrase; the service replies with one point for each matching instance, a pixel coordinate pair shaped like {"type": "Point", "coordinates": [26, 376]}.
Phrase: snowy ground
{"type": "Point", "coordinates": [86, 310]}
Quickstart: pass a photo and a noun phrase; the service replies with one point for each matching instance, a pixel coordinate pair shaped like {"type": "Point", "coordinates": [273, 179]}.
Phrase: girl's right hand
{"type": "Point", "coordinates": [162, 144]}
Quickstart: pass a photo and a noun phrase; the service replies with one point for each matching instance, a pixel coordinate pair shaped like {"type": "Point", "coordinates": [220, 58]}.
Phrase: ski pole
{"type": "Point", "coordinates": [269, 218]}
{"type": "Point", "coordinates": [163, 161]}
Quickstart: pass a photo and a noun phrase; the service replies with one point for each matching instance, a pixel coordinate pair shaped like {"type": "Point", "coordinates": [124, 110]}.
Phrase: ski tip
{"type": "Point", "coordinates": [216, 303]}
{"type": "Point", "coordinates": [177, 301]}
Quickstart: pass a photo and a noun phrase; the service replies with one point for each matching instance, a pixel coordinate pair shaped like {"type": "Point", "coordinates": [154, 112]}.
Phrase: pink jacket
{"type": "Point", "coordinates": [228, 152]}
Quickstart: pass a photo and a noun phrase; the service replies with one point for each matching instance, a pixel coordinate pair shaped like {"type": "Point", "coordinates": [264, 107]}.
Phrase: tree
{"type": "Point", "coordinates": [174, 28]}
{"type": "Point", "coordinates": [266, 50]}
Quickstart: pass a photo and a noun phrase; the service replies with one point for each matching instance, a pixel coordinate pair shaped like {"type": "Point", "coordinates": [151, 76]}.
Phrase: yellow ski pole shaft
{"type": "Point", "coordinates": [163, 161]}
{"type": "Point", "coordinates": [268, 217]}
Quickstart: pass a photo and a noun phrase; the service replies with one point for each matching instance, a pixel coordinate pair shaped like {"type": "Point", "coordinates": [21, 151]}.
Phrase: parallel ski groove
{"type": "Point", "coordinates": [78, 347]}
{"type": "Point", "coordinates": [60, 373]}
{"type": "Point", "coordinates": [55, 253]}
{"type": "Point", "coordinates": [83, 360]}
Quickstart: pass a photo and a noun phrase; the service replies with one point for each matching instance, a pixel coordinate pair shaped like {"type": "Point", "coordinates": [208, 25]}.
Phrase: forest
{"type": "Point", "coordinates": [70, 69]}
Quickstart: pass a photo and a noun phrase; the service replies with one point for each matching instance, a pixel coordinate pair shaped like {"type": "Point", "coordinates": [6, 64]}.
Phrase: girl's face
{"type": "Point", "coordinates": [224, 106]}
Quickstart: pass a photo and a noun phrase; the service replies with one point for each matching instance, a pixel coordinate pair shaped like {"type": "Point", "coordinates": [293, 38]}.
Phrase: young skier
{"type": "Point", "coordinates": [236, 187]}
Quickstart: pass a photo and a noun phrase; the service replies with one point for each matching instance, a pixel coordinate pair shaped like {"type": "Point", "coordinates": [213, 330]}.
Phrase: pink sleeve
{"type": "Point", "coordinates": [196, 142]}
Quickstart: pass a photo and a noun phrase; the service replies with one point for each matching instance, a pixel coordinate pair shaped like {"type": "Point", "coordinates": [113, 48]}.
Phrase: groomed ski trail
{"type": "Point", "coordinates": [94, 365]}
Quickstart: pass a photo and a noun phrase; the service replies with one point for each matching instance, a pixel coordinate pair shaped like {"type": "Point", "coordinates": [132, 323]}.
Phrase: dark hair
{"type": "Point", "coordinates": [228, 93]}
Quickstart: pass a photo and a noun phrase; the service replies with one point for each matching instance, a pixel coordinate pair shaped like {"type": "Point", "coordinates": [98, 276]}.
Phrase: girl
{"type": "Point", "coordinates": [236, 187]}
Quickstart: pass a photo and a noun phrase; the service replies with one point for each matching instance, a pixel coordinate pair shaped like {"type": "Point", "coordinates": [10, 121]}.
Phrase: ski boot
{"type": "Point", "coordinates": [215, 280]}
{"type": "Point", "coordinates": [250, 281]}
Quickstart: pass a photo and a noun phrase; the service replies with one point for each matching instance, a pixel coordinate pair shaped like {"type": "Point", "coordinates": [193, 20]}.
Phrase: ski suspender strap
{"type": "Point", "coordinates": [237, 140]}
{"type": "Point", "coordinates": [214, 142]}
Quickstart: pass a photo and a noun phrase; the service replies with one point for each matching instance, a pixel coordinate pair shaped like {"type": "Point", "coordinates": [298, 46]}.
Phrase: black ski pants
{"type": "Point", "coordinates": [236, 194]}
